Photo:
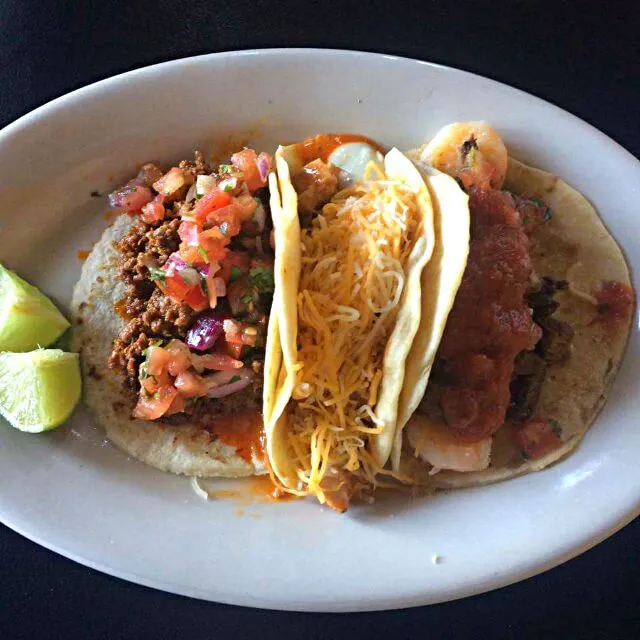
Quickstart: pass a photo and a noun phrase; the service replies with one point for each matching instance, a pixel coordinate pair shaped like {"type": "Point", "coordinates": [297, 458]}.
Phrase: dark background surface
{"type": "Point", "coordinates": [581, 56]}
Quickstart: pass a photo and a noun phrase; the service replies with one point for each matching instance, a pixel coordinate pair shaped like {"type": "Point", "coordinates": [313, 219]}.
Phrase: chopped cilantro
{"type": "Point", "coordinates": [235, 273]}
{"type": "Point", "coordinates": [157, 274]}
{"type": "Point", "coordinates": [225, 168]}
{"type": "Point", "coordinates": [247, 297]}
{"type": "Point", "coordinates": [142, 372]}
{"type": "Point", "coordinates": [261, 279]}
{"type": "Point", "coordinates": [250, 353]}
{"type": "Point", "coordinates": [199, 195]}
{"type": "Point", "coordinates": [203, 254]}
{"type": "Point", "coordinates": [234, 379]}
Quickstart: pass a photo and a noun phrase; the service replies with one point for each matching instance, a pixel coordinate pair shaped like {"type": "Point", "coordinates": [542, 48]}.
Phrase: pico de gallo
{"type": "Point", "coordinates": [198, 265]}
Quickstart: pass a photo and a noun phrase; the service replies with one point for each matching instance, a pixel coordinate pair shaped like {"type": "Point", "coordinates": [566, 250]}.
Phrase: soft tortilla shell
{"type": "Point", "coordinates": [396, 354]}
{"type": "Point", "coordinates": [187, 449]}
{"type": "Point", "coordinates": [398, 345]}
{"type": "Point", "coordinates": [576, 246]}
{"type": "Point", "coordinates": [440, 281]}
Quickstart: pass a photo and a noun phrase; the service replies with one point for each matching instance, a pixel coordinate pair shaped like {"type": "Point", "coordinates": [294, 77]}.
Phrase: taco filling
{"type": "Point", "coordinates": [504, 346]}
{"type": "Point", "coordinates": [367, 233]}
{"type": "Point", "coordinates": [198, 269]}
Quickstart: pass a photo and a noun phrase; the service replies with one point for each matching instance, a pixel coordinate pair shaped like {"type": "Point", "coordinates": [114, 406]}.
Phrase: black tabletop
{"type": "Point", "coordinates": [582, 56]}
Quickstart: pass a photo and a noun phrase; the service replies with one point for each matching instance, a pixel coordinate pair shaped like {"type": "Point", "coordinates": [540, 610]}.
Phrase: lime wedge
{"type": "Point", "coordinates": [38, 390]}
{"type": "Point", "coordinates": [28, 319]}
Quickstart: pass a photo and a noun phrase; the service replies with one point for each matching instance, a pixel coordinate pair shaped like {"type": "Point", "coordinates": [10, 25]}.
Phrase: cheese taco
{"type": "Point", "coordinates": [537, 327]}
{"type": "Point", "coordinates": [351, 298]}
{"type": "Point", "coordinates": [171, 315]}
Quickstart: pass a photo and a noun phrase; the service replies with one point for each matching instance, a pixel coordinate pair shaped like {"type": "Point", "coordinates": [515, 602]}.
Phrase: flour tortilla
{"type": "Point", "coordinates": [574, 246]}
{"type": "Point", "coordinates": [439, 281]}
{"type": "Point", "coordinates": [397, 166]}
{"type": "Point", "coordinates": [185, 449]}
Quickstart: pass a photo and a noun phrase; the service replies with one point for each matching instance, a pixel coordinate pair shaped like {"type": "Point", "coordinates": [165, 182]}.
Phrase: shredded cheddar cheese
{"type": "Point", "coordinates": [353, 275]}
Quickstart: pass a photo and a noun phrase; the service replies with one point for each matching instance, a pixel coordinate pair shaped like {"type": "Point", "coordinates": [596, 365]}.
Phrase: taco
{"type": "Point", "coordinates": [351, 300]}
{"type": "Point", "coordinates": [536, 330]}
{"type": "Point", "coordinates": [172, 316]}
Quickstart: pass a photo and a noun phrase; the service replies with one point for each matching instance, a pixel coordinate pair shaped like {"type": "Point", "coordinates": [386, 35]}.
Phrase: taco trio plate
{"type": "Point", "coordinates": [344, 318]}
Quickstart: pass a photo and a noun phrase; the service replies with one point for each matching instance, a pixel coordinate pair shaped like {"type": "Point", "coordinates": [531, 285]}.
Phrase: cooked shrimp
{"type": "Point", "coordinates": [437, 444]}
{"type": "Point", "coordinates": [472, 151]}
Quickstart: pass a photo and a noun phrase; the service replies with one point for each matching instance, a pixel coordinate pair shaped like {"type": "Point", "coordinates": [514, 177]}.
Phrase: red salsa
{"type": "Point", "coordinates": [536, 438]}
{"type": "Point", "coordinates": [490, 322]}
{"type": "Point", "coordinates": [615, 303]}
{"type": "Point", "coordinates": [322, 145]}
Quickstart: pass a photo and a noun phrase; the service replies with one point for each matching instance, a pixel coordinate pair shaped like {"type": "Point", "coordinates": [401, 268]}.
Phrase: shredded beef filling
{"type": "Point", "coordinates": [553, 347]}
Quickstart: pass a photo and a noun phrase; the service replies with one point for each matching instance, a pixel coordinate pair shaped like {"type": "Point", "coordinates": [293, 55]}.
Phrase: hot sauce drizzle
{"type": "Point", "coordinates": [322, 145]}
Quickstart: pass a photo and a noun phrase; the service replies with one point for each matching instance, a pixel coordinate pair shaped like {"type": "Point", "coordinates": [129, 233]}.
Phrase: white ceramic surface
{"type": "Point", "coordinates": [75, 494]}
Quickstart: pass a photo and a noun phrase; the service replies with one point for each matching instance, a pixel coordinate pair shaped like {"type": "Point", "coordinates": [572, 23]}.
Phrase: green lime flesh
{"type": "Point", "coordinates": [40, 389]}
{"type": "Point", "coordinates": [28, 319]}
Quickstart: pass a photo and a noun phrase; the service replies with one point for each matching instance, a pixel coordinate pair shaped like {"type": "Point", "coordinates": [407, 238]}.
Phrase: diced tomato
{"type": "Point", "coordinates": [536, 438]}
{"type": "Point", "coordinates": [247, 205]}
{"type": "Point", "coordinates": [213, 243]}
{"type": "Point", "coordinates": [177, 406]}
{"type": "Point", "coordinates": [179, 357]}
{"type": "Point", "coordinates": [149, 384]}
{"type": "Point", "coordinates": [210, 202]}
{"type": "Point", "coordinates": [246, 161]}
{"type": "Point", "coordinates": [197, 299]}
{"type": "Point", "coordinates": [192, 255]}
{"type": "Point", "coordinates": [157, 360]}
{"type": "Point", "coordinates": [227, 218]}
{"type": "Point", "coordinates": [235, 351]}
{"type": "Point", "coordinates": [238, 259]}
{"type": "Point", "coordinates": [188, 232]}
{"type": "Point", "coordinates": [131, 197]}
{"type": "Point", "coordinates": [218, 362]}
{"type": "Point", "coordinates": [174, 287]}
{"type": "Point", "coordinates": [154, 211]}
{"type": "Point", "coordinates": [152, 407]}
{"type": "Point", "coordinates": [173, 182]}
{"type": "Point", "coordinates": [190, 385]}
{"type": "Point", "coordinates": [180, 291]}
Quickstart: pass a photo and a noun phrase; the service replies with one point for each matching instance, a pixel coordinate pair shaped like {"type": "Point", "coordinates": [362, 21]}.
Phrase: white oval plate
{"type": "Point", "coordinates": [75, 494]}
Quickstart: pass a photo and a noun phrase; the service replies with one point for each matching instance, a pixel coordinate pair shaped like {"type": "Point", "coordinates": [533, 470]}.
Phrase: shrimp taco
{"type": "Point", "coordinates": [536, 330]}
{"type": "Point", "coordinates": [172, 316]}
{"type": "Point", "coordinates": [351, 296]}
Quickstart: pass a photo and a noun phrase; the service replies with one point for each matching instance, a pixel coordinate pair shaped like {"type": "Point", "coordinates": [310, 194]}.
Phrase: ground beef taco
{"type": "Point", "coordinates": [536, 330]}
{"type": "Point", "coordinates": [171, 316]}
